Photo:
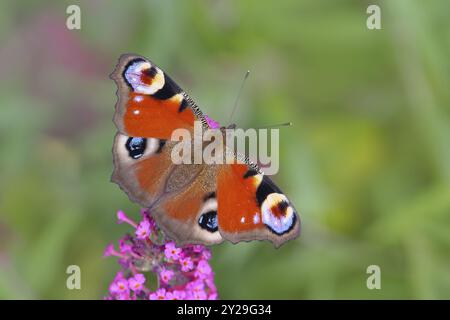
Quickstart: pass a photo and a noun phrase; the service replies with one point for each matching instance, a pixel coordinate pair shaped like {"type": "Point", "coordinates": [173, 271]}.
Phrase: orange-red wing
{"type": "Point", "coordinates": [238, 209]}
{"type": "Point", "coordinates": [152, 117]}
{"type": "Point", "coordinates": [252, 207]}
{"type": "Point", "coordinates": [150, 103]}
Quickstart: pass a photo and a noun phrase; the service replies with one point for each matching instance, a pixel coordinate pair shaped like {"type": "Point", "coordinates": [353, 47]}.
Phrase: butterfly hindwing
{"type": "Point", "coordinates": [141, 166]}
{"type": "Point", "coordinates": [189, 215]}
{"type": "Point", "coordinates": [180, 197]}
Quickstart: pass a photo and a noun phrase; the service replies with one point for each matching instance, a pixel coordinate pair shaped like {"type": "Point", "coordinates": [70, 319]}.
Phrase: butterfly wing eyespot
{"type": "Point", "coordinates": [142, 77]}
{"type": "Point", "coordinates": [208, 221]}
{"type": "Point", "coordinates": [136, 147]}
{"type": "Point", "coordinates": [277, 214]}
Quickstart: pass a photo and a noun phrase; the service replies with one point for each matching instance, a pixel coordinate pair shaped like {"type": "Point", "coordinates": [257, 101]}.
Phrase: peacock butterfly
{"type": "Point", "coordinates": [192, 203]}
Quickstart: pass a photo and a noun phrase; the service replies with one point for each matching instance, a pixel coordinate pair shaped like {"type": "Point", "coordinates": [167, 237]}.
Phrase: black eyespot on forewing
{"type": "Point", "coordinates": [265, 188]}
{"type": "Point", "coordinates": [169, 89]}
{"type": "Point", "coordinates": [282, 206]}
{"type": "Point", "coordinates": [151, 72]}
{"type": "Point", "coordinates": [136, 147]}
{"type": "Point", "coordinates": [208, 221]}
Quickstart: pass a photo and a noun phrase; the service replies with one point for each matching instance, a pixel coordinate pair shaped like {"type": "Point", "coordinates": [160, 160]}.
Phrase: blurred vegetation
{"type": "Point", "coordinates": [367, 161]}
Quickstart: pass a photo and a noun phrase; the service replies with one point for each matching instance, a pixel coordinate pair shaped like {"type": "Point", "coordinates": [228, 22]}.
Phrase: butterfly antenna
{"type": "Point", "coordinates": [285, 124]}
{"type": "Point", "coordinates": [238, 96]}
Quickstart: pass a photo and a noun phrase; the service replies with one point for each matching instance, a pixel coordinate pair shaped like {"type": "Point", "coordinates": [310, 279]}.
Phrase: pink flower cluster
{"type": "Point", "coordinates": [182, 273]}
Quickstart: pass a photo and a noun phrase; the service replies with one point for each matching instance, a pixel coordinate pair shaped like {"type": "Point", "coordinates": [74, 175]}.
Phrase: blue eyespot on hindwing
{"type": "Point", "coordinates": [208, 221]}
{"type": "Point", "coordinates": [136, 147]}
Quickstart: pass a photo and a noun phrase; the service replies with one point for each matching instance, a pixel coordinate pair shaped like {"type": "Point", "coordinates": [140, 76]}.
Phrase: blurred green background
{"type": "Point", "coordinates": [367, 161]}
